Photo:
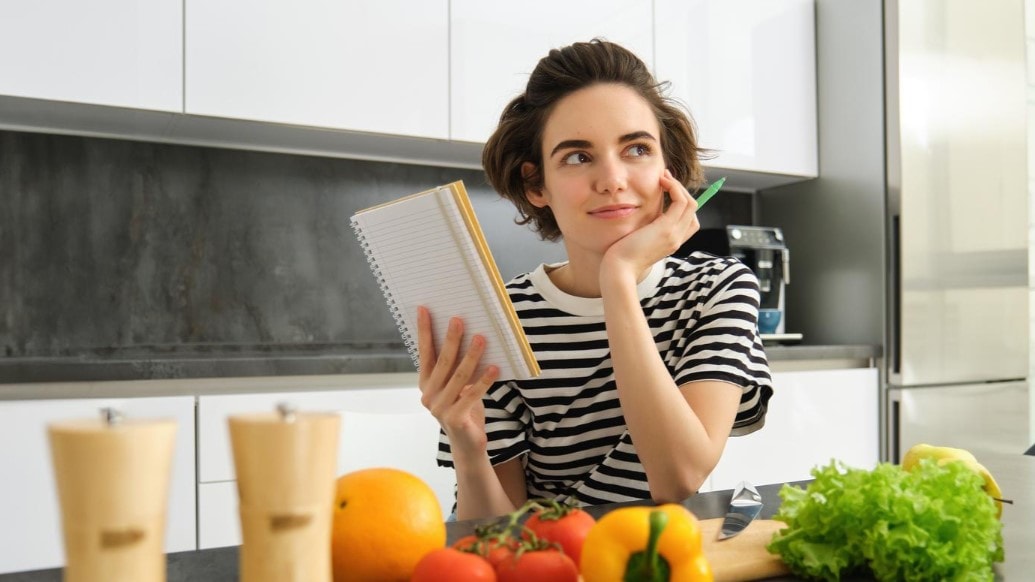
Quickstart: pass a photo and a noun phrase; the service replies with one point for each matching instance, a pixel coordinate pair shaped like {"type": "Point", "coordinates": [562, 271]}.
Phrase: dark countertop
{"type": "Point", "coordinates": [1015, 474]}
{"type": "Point", "coordinates": [191, 363]}
{"type": "Point", "coordinates": [782, 353]}
{"type": "Point", "coordinates": [20, 378]}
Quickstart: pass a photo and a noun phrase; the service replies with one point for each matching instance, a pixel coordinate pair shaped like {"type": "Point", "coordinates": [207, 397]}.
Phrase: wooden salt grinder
{"type": "Point", "coordinates": [112, 479]}
{"type": "Point", "coordinates": [286, 464]}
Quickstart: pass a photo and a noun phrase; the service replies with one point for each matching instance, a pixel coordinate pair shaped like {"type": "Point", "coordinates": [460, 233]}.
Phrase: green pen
{"type": "Point", "coordinates": [711, 191]}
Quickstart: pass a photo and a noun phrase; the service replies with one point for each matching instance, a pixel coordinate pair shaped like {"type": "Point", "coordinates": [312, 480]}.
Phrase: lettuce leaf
{"type": "Point", "coordinates": [934, 522]}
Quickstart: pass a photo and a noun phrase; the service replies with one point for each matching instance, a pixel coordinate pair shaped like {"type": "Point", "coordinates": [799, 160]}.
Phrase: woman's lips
{"type": "Point", "coordinates": [613, 211]}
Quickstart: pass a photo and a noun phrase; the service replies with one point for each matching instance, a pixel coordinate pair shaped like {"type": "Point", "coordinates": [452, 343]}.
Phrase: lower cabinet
{"type": "Point", "coordinates": [814, 416]}
{"type": "Point", "coordinates": [30, 515]}
{"type": "Point", "coordinates": [381, 427]}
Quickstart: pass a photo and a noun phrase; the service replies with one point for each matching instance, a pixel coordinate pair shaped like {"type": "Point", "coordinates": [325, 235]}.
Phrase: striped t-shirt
{"type": "Point", "coordinates": [567, 424]}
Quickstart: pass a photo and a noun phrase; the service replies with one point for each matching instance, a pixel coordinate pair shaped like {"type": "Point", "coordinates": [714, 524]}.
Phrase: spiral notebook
{"type": "Point", "coordinates": [428, 249]}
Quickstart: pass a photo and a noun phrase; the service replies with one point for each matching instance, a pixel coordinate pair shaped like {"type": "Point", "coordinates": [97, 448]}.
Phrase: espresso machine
{"type": "Point", "coordinates": [764, 250]}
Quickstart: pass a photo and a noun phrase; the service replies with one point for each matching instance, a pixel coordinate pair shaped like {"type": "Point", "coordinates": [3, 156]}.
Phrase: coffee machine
{"type": "Point", "coordinates": [764, 250]}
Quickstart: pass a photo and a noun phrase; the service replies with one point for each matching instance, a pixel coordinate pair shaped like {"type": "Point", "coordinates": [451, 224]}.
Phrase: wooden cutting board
{"type": "Point", "coordinates": [742, 557]}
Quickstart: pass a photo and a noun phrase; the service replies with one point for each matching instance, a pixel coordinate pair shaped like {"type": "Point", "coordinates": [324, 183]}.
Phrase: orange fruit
{"type": "Point", "coordinates": [385, 521]}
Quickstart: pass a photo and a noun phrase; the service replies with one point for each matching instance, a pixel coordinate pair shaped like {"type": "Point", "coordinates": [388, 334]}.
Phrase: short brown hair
{"type": "Point", "coordinates": [518, 137]}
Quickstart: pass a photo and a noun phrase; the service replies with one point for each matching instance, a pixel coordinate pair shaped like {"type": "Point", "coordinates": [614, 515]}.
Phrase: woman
{"type": "Point", "coordinates": [649, 362]}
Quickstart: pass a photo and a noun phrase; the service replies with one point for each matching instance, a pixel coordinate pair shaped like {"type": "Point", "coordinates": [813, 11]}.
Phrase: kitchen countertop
{"type": "Point", "coordinates": [1014, 472]}
{"type": "Point", "coordinates": [119, 375]}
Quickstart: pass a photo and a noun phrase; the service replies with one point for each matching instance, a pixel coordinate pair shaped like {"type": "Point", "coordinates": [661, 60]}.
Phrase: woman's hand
{"type": "Point", "coordinates": [448, 386]}
{"type": "Point", "coordinates": [663, 236]}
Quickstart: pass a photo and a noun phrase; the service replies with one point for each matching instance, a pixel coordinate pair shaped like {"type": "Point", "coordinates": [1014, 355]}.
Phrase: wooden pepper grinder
{"type": "Point", "coordinates": [286, 464]}
{"type": "Point", "coordinates": [112, 479]}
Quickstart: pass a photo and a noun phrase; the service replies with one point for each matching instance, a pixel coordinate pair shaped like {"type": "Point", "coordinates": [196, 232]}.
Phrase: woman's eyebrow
{"type": "Point", "coordinates": [584, 144]}
{"type": "Point", "coordinates": [570, 143]}
{"type": "Point", "coordinates": [636, 135]}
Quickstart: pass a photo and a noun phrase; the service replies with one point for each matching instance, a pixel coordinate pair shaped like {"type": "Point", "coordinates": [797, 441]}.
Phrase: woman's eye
{"type": "Point", "coordinates": [638, 150]}
{"type": "Point", "coordinates": [575, 159]}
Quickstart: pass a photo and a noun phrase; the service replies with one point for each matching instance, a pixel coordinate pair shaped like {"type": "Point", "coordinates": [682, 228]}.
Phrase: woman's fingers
{"type": "Point", "coordinates": [460, 377]}
{"type": "Point", "coordinates": [469, 399]}
{"type": "Point", "coordinates": [425, 343]}
{"type": "Point", "coordinates": [682, 201]}
{"type": "Point", "coordinates": [435, 364]}
{"type": "Point", "coordinates": [446, 372]}
{"type": "Point", "coordinates": [682, 210]}
{"type": "Point", "coordinates": [447, 353]}
{"type": "Point", "coordinates": [473, 393]}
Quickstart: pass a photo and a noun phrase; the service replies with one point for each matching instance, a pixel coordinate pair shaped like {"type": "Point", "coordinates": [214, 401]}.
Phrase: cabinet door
{"type": "Point", "coordinates": [380, 427]}
{"type": "Point", "coordinates": [126, 53]}
{"type": "Point", "coordinates": [30, 529]}
{"type": "Point", "coordinates": [494, 49]}
{"type": "Point", "coordinates": [367, 66]}
{"type": "Point", "coordinates": [747, 71]}
{"type": "Point", "coordinates": [813, 417]}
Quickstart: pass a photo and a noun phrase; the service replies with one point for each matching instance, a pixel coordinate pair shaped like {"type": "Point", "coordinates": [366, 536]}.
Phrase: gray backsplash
{"type": "Point", "coordinates": [123, 259]}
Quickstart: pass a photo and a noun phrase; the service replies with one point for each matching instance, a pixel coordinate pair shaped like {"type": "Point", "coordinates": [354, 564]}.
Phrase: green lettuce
{"type": "Point", "coordinates": [934, 522]}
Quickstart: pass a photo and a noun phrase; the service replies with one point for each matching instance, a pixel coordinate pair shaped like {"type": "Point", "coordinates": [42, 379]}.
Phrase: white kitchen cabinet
{"type": "Point", "coordinates": [381, 427]}
{"type": "Point", "coordinates": [420, 82]}
{"type": "Point", "coordinates": [380, 67]}
{"type": "Point", "coordinates": [494, 47]}
{"type": "Point", "coordinates": [30, 515]}
{"type": "Point", "coordinates": [813, 417]}
{"type": "Point", "coordinates": [747, 71]}
{"type": "Point", "coordinates": [126, 53]}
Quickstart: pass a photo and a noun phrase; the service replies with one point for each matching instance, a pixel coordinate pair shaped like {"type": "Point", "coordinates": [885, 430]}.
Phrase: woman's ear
{"type": "Point", "coordinates": [533, 195]}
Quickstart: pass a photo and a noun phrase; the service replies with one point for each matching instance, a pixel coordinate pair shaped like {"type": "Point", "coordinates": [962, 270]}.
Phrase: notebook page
{"type": "Point", "coordinates": [517, 343]}
{"type": "Point", "coordinates": [416, 244]}
{"type": "Point", "coordinates": [483, 271]}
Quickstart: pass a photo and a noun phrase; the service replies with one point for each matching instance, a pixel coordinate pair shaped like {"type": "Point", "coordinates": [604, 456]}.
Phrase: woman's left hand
{"type": "Point", "coordinates": [663, 236]}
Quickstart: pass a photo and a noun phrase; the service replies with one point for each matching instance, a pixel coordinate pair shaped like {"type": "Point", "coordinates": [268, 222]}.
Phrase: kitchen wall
{"type": "Point", "coordinates": [123, 250]}
{"type": "Point", "coordinates": [834, 225]}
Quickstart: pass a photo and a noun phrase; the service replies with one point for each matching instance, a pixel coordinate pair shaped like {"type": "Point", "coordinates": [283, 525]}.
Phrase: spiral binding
{"type": "Point", "coordinates": [408, 340]}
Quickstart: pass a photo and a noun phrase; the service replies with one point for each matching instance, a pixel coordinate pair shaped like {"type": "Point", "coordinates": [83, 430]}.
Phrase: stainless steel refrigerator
{"type": "Point", "coordinates": [957, 351]}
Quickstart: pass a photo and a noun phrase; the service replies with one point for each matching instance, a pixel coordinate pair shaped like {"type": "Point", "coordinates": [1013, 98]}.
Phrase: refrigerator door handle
{"type": "Point", "coordinates": [894, 338]}
{"type": "Point", "coordinates": [894, 432]}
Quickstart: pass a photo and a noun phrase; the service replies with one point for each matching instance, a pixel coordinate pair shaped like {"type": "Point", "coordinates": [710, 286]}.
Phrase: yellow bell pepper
{"type": "Point", "coordinates": [645, 544]}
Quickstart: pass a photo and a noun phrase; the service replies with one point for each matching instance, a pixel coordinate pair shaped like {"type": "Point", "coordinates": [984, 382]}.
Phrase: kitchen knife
{"type": "Point", "coordinates": [744, 507]}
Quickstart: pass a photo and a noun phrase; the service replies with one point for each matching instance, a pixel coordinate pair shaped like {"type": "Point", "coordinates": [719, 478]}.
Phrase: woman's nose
{"type": "Point", "coordinates": [611, 176]}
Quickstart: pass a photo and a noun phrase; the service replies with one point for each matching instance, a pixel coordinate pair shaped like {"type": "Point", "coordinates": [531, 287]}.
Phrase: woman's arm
{"type": "Point", "coordinates": [483, 490]}
{"type": "Point", "coordinates": [679, 434]}
{"type": "Point", "coordinates": [451, 392]}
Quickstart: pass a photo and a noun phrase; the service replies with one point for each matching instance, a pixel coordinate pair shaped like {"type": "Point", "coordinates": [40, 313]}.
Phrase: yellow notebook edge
{"type": "Point", "coordinates": [471, 220]}
{"type": "Point", "coordinates": [403, 199]}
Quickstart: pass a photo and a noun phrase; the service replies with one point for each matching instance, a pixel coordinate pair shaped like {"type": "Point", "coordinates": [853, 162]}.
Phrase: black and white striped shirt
{"type": "Point", "coordinates": [567, 423]}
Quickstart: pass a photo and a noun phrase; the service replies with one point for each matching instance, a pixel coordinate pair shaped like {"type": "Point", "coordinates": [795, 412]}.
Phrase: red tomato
{"type": "Point", "coordinates": [492, 550]}
{"type": "Point", "coordinates": [538, 566]}
{"type": "Point", "coordinates": [452, 565]}
{"type": "Point", "coordinates": [569, 531]}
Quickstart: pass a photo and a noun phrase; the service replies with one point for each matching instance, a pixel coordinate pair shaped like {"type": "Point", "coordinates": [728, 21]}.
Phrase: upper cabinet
{"type": "Point", "coordinates": [379, 67]}
{"type": "Point", "coordinates": [420, 82]}
{"type": "Point", "coordinates": [747, 71]}
{"type": "Point", "coordinates": [493, 51]}
{"type": "Point", "coordinates": [124, 53]}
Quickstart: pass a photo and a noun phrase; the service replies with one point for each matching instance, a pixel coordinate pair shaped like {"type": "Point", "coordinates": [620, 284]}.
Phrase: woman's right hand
{"type": "Point", "coordinates": [448, 386]}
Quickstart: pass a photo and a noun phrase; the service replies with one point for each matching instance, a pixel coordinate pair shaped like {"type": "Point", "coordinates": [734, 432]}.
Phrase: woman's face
{"type": "Point", "coordinates": [602, 166]}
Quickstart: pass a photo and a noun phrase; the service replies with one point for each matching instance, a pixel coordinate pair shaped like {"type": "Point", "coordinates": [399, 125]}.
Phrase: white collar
{"type": "Point", "coordinates": [592, 306]}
